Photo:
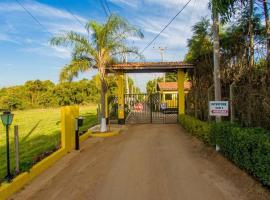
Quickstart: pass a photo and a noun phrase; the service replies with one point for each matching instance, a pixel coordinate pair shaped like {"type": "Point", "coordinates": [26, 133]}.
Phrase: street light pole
{"type": "Point", "coordinates": [8, 177]}
{"type": "Point", "coordinates": [216, 57]}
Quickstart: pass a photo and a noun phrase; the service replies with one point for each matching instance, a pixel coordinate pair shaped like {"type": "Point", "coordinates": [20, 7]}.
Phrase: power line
{"type": "Point", "coordinates": [107, 6]}
{"type": "Point", "coordinates": [104, 8]}
{"type": "Point", "coordinates": [151, 42]}
{"type": "Point", "coordinates": [74, 16]}
{"type": "Point", "coordinates": [34, 18]}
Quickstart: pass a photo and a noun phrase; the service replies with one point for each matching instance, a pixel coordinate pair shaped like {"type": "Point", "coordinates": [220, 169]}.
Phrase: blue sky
{"type": "Point", "coordinates": [25, 52]}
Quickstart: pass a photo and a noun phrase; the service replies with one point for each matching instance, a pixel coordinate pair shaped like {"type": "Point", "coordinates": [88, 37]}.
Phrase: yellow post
{"type": "Point", "coordinates": [121, 98]}
{"type": "Point", "coordinates": [106, 108]}
{"type": "Point", "coordinates": [181, 92]}
{"type": "Point", "coordinates": [68, 115]}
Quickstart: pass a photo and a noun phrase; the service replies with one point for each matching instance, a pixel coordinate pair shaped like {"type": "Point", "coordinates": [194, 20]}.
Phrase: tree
{"type": "Point", "coordinates": [107, 41]}
{"type": "Point", "coordinates": [267, 28]}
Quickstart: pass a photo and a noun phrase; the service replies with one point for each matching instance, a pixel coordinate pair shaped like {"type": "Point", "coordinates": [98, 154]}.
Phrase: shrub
{"type": "Point", "coordinates": [248, 148]}
{"type": "Point", "coordinates": [196, 127]}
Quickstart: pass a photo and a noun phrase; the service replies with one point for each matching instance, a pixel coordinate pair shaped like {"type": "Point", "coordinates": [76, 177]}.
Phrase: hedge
{"type": "Point", "coordinates": [196, 127]}
{"type": "Point", "coordinates": [248, 148]}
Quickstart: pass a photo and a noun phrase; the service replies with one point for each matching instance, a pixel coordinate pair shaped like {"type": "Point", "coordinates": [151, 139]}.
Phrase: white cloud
{"type": "Point", "coordinates": [6, 38]}
{"type": "Point", "coordinates": [39, 9]}
{"type": "Point", "coordinates": [129, 3]}
{"type": "Point", "coordinates": [55, 20]}
{"type": "Point", "coordinates": [49, 51]}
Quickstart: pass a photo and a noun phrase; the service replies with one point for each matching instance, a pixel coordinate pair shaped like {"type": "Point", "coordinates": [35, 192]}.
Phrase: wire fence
{"type": "Point", "coordinates": [38, 132]}
{"type": "Point", "coordinates": [249, 104]}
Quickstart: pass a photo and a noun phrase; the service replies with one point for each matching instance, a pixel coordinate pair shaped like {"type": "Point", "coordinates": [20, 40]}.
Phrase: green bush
{"type": "Point", "coordinates": [248, 148]}
{"type": "Point", "coordinates": [196, 127]}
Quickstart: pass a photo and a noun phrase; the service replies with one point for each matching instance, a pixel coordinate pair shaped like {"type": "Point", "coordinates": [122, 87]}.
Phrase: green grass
{"type": "Point", "coordinates": [39, 135]}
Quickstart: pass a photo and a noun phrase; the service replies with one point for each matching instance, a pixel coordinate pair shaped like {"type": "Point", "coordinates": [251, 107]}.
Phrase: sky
{"type": "Point", "coordinates": [25, 52]}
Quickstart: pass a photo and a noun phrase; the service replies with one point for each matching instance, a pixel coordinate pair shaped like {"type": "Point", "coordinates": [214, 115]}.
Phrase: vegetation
{"type": "Point", "coordinates": [39, 134]}
{"type": "Point", "coordinates": [107, 41]}
{"type": "Point", "coordinates": [248, 148]}
{"type": "Point", "coordinates": [243, 56]}
{"type": "Point", "coordinates": [196, 127]}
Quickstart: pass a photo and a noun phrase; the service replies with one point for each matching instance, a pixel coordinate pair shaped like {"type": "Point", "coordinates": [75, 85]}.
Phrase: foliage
{"type": "Point", "coordinates": [106, 42]}
{"type": "Point", "coordinates": [235, 55]}
{"type": "Point", "coordinates": [248, 148]}
{"type": "Point", "coordinates": [196, 127]}
{"type": "Point", "coordinates": [44, 94]}
{"type": "Point", "coordinates": [39, 135]}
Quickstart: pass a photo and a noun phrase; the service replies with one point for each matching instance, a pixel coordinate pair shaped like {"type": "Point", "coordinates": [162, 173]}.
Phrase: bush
{"type": "Point", "coordinates": [248, 148]}
{"type": "Point", "coordinates": [196, 127]}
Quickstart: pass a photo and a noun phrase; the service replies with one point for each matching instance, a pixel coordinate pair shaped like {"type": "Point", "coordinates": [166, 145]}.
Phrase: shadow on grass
{"type": "Point", "coordinates": [31, 152]}
{"type": "Point", "coordinates": [35, 148]}
{"type": "Point", "coordinates": [31, 131]}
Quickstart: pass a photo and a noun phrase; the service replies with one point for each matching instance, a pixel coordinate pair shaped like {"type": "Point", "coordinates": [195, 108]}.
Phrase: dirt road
{"type": "Point", "coordinates": [146, 162]}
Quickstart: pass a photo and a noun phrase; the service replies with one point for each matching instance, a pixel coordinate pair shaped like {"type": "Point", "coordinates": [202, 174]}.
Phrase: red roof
{"type": "Point", "coordinates": [173, 86]}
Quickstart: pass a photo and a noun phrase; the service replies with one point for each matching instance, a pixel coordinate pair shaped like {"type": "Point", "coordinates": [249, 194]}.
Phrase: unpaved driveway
{"type": "Point", "coordinates": [146, 162]}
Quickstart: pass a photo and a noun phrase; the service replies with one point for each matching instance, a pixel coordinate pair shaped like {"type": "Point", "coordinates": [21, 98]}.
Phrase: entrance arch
{"type": "Point", "coordinates": [149, 67]}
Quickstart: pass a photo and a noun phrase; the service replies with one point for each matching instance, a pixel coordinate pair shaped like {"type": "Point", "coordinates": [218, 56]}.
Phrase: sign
{"type": "Point", "coordinates": [138, 107]}
{"type": "Point", "coordinates": [218, 108]}
{"type": "Point", "coordinates": [163, 106]}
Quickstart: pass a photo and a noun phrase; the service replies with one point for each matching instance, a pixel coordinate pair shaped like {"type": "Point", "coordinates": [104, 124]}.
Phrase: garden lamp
{"type": "Point", "coordinates": [7, 118]}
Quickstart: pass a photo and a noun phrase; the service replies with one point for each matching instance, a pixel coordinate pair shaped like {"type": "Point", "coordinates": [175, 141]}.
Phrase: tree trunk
{"type": "Point", "coordinates": [267, 27]}
{"type": "Point", "coordinates": [216, 58]}
{"type": "Point", "coordinates": [251, 35]}
{"type": "Point", "coordinates": [103, 126]}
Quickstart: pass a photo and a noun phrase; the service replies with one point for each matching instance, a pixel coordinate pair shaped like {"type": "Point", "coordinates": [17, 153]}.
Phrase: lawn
{"type": "Point", "coordinates": [39, 135]}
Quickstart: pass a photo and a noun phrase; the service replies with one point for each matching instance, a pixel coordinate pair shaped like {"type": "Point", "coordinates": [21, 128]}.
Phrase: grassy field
{"type": "Point", "coordinates": [39, 135]}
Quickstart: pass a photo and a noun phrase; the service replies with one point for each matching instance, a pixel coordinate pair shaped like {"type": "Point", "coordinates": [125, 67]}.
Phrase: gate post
{"type": "Point", "coordinates": [121, 98]}
{"type": "Point", "coordinates": [68, 116]}
{"type": "Point", "coordinates": [181, 92]}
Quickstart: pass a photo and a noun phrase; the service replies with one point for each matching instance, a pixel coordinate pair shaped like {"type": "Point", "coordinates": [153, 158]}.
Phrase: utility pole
{"type": "Point", "coordinates": [162, 51]}
{"type": "Point", "coordinates": [216, 56]}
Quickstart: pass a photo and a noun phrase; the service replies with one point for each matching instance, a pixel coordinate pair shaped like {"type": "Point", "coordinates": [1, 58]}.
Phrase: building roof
{"type": "Point", "coordinates": [173, 86]}
{"type": "Point", "coordinates": [137, 67]}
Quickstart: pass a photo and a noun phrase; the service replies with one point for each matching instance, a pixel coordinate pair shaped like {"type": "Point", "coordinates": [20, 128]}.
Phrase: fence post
{"type": "Point", "coordinates": [232, 102]}
{"type": "Point", "coordinates": [16, 142]}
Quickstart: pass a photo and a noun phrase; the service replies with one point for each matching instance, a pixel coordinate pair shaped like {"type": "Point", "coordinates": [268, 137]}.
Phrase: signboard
{"type": "Point", "coordinates": [138, 107]}
{"type": "Point", "coordinates": [218, 108]}
{"type": "Point", "coordinates": [163, 106]}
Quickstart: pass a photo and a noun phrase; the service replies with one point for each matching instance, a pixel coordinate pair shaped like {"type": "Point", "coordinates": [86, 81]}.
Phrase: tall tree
{"type": "Point", "coordinates": [107, 41]}
{"type": "Point", "coordinates": [251, 34]}
{"type": "Point", "coordinates": [267, 27]}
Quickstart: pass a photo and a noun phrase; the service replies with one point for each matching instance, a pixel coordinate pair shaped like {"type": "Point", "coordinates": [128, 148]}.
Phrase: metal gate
{"type": "Point", "coordinates": [151, 108]}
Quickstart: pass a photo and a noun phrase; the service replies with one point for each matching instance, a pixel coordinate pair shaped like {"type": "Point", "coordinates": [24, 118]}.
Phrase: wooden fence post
{"type": "Point", "coordinates": [232, 102]}
{"type": "Point", "coordinates": [17, 149]}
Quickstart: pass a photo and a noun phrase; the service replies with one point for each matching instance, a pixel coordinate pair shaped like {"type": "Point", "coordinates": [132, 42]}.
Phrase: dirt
{"type": "Point", "coordinates": [145, 162]}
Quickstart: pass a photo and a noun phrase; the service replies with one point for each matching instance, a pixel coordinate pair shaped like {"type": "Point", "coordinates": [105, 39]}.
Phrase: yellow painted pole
{"type": "Point", "coordinates": [106, 108]}
{"type": "Point", "coordinates": [181, 92]}
{"type": "Point", "coordinates": [68, 115]}
{"type": "Point", "coordinates": [121, 98]}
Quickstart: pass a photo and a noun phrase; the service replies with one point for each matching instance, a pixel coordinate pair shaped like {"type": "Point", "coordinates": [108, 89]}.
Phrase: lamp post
{"type": "Point", "coordinates": [7, 118]}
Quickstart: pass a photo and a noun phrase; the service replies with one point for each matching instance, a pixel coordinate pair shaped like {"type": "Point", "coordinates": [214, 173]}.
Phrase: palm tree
{"type": "Point", "coordinates": [105, 43]}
